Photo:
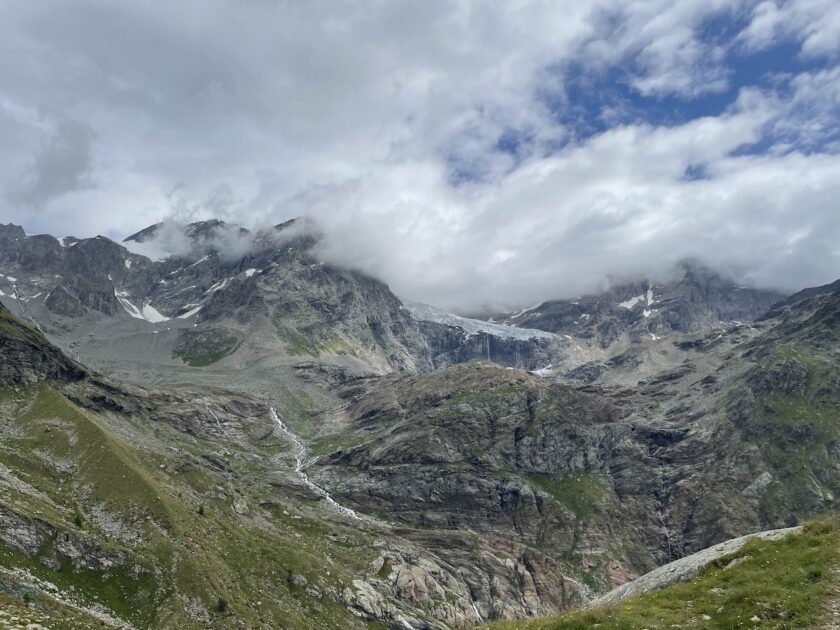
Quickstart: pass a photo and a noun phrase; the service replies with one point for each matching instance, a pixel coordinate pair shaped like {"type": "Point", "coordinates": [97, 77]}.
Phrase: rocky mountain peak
{"type": "Point", "coordinates": [11, 232]}
{"type": "Point", "coordinates": [695, 299]}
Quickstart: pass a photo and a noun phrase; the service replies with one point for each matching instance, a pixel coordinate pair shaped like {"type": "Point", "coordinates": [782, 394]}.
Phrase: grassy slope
{"type": "Point", "coordinates": [200, 348]}
{"type": "Point", "coordinates": [795, 426]}
{"type": "Point", "coordinates": [775, 584]}
{"type": "Point", "coordinates": [75, 462]}
{"type": "Point", "coordinates": [14, 328]}
{"type": "Point", "coordinates": [44, 612]}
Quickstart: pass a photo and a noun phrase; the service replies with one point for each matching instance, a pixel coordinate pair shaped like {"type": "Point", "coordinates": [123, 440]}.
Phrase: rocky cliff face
{"type": "Point", "coordinates": [450, 345]}
{"type": "Point", "coordinates": [699, 300]}
{"type": "Point", "coordinates": [26, 356]}
{"type": "Point", "coordinates": [731, 433]}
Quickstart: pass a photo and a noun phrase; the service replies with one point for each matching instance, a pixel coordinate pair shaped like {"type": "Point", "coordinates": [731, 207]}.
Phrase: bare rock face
{"type": "Point", "coordinates": [446, 580]}
{"type": "Point", "coordinates": [501, 453]}
{"type": "Point", "coordinates": [62, 301]}
{"type": "Point", "coordinates": [696, 301]}
{"type": "Point", "coordinates": [52, 547]}
{"type": "Point", "coordinates": [612, 477]}
{"type": "Point", "coordinates": [450, 345]}
{"type": "Point", "coordinates": [26, 356]}
{"type": "Point", "coordinates": [11, 232]}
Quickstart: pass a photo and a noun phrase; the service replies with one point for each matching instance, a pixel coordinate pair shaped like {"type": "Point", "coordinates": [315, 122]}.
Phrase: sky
{"type": "Point", "coordinates": [469, 153]}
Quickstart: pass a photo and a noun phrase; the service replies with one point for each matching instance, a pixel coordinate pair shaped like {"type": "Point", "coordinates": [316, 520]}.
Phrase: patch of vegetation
{"type": "Point", "coordinates": [129, 597]}
{"type": "Point", "coordinates": [11, 326]}
{"type": "Point", "coordinates": [385, 571]}
{"type": "Point", "coordinates": [116, 476]}
{"type": "Point", "coordinates": [298, 344]}
{"type": "Point", "coordinates": [483, 395]}
{"type": "Point", "coordinates": [332, 442]}
{"type": "Point", "coordinates": [775, 584]}
{"type": "Point", "coordinates": [794, 424]}
{"type": "Point", "coordinates": [200, 348]}
{"type": "Point", "coordinates": [42, 610]}
{"type": "Point", "coordinates": [581, 493]}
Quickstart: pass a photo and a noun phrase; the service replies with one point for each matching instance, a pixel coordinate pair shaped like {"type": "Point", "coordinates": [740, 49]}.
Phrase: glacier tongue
{"type": "Point", "coordinates": [426, 313]}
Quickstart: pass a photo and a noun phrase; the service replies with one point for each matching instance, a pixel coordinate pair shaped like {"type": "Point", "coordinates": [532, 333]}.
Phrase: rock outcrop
{"type": "Point", "coordinates": [27, 357]}
{"type": "Point", "coordinates": [685, 569]}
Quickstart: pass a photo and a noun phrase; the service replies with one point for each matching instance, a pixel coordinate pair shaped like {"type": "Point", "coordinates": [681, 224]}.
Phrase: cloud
{"type": "Point", "coordinates": [444, 148]}
{"type": "Point", "coordinates": [188, 235]}
{"type": "Point", "coordinates": [61, 164]}
{"type": "Point", "coordinates": [618, 204]}
{"type": "Point", "coordinates": [813, 24]}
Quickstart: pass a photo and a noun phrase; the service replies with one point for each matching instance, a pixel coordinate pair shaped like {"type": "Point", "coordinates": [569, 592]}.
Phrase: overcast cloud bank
{"type": "Point", "coordinates": [469, 154]}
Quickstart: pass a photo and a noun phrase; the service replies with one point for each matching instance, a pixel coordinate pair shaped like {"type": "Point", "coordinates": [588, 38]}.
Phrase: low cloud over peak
{"type": "Point", "coordinates": [470, 155]}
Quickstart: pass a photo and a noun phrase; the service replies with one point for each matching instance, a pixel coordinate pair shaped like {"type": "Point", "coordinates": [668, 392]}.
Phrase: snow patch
{"type": "Point", "coordinates": [632, 301]}
{"type": "Point", "coordinates": [128, 264]}
{"type": "Point", "coordinates": [519, 314]}
{"type": "Point", "coordinates": [189, 313]}
{"type": "Point", "coordinates": [546, 371]}
{"type": "Point", "coordinates": [132, 310]}
{"type": "Point", "coordinates": [250, 272]}
{"type": "Point", "coordinates": [148, 313]}
{"type": "Point", "coordinates": [151, 314]}
{"type": "Point", "coordinates": [180, 291]}
{"type": "Point", "coordinates": [645, 298]}
{"type": "Point", "coordinates": [221, 284]}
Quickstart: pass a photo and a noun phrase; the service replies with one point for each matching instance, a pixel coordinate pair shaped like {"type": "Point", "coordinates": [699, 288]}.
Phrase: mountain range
{"type": "Point", "coordinates": [205, 426]}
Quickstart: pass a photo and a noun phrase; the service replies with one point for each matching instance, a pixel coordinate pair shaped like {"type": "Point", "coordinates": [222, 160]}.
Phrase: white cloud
{"type": "Point", "coordinates": [616, 204]}
{"type": "Point", "coordinates": [358, 113]}
{"type": "Point", "coordinates": [61, 165]}
{"type": "Point", "coordinates": [665, 43]}
{"type": "Point", "coordinates": [814, 24]}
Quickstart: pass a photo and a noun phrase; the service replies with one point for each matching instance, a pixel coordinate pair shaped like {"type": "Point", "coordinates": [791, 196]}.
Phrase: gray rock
{"type": "Point", "coordinates": [685, 569]}
{"type": "Point", "coordinates": [27, 357]}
